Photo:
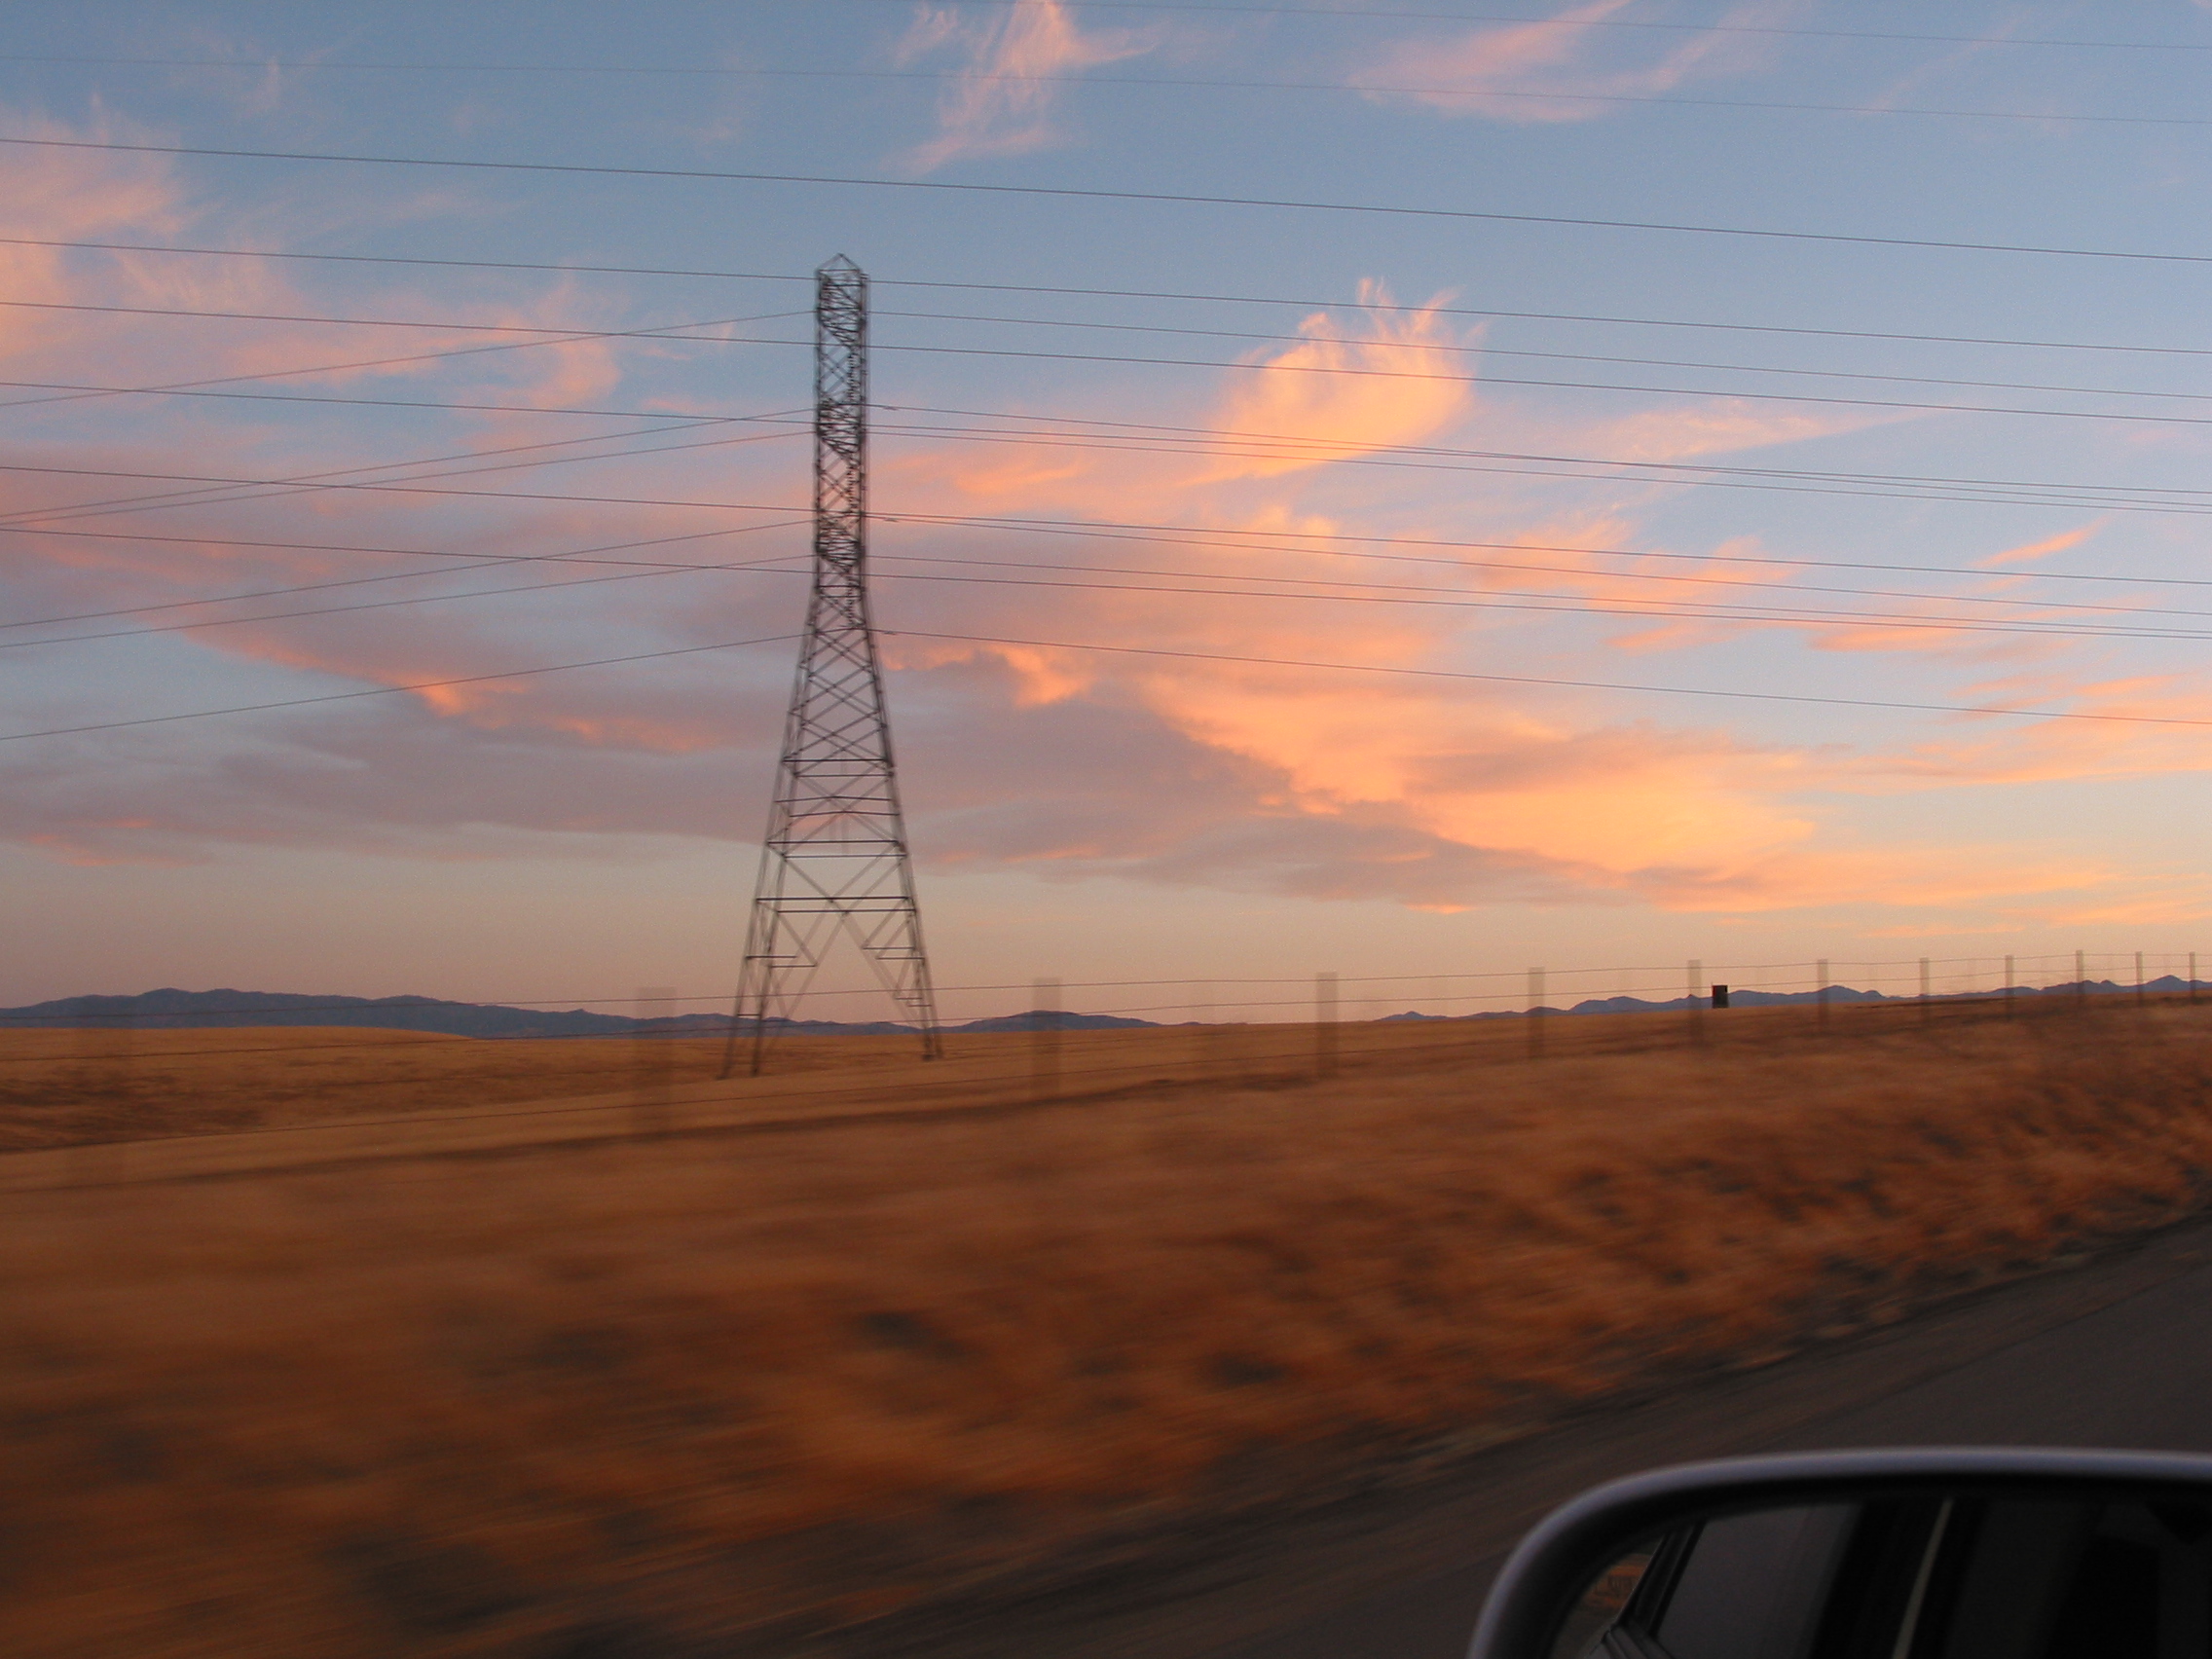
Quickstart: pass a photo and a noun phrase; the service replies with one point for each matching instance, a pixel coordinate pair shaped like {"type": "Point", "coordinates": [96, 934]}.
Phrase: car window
{"type": "Point", "coordinates": [1754, 1586]}
{"type": "Point", "coordinates": [2031, 1580]}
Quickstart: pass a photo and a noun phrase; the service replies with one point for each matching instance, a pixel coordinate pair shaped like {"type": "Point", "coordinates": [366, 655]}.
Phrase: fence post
{"type": "Point", "coordinates": [1697, 1000]}
{"type": "Point", "coordinates": [2081, 980]}
{"type": "Point", "coordinates": [2141, 997]}
{"type": "Point", "coordinates": [1535, 1014]}
{"type": "Point", "coordinates": [654, 1057]}
{"type": "Point", "coordinates": [1045, 1040]}
{"type": "Point", "coordinates": [1926, 1008]}
{"type": "Point", "coordinates": [2193, 976]}
{"type": "Point", "coordinates": [1324, 1025]}
{"type": "Point", "coordinates": [2007, 987]}
{"type": "Point", "coordinates": [1822, 973]}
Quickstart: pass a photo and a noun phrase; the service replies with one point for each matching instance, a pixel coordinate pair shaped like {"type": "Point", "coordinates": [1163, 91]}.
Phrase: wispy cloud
{"type": "Point", "coordinates": [1385, 376]}
{"type": "Point", "coordinates": [1002, 101]}
{"type": "Point", "coordinates": [1564, 68]}
{"type": "Point", "coordinates": [2043, 549]}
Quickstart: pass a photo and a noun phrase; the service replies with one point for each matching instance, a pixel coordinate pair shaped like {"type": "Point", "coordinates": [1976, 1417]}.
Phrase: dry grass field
{"type": "Point", "coordinates": [712, 1392]}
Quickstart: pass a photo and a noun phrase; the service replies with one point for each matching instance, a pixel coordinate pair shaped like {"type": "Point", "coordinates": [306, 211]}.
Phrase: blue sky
{"type": "Point", "coordinates": [1256, 436]}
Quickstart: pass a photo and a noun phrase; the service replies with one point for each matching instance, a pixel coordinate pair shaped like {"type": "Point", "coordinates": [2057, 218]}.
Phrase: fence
{"type": "Point", "coordinates": [1042, 1057]}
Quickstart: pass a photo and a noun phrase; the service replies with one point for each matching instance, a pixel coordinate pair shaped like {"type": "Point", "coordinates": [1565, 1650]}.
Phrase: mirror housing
{"type": "Point", "coordinates": [1548, 1575]}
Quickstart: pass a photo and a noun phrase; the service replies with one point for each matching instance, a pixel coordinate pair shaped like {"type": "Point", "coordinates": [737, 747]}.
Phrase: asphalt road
{"type": "Point", "coordinates": [2114, 1351]}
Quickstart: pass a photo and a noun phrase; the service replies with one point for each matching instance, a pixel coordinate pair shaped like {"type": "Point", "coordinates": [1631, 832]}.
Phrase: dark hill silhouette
{"type": "Point", "coordinates": [171, 1009]}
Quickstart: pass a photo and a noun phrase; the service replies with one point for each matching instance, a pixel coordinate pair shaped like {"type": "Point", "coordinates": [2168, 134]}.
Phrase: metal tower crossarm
{"type": "Point", "coordinates": [835, 860]}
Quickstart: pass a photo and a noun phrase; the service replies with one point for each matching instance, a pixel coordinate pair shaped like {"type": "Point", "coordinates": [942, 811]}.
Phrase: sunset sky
{"type": "Point", "coordinates": [1595, 362]}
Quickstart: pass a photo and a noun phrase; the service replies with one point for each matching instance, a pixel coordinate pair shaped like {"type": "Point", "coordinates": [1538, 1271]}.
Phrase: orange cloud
{"type": "Point", "coordinates": [1285, 779]}
{"type": "Point", "coordinates": [1330, 389]}
{"type": "Point", "coordinates": [2042, 549]}
{"type": "Point", "coordinates": [1564, 68]}
{"type": "Point", "coordinates": [1002, 103]}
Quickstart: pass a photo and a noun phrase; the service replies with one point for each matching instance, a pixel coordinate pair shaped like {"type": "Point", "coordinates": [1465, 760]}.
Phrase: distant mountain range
{"type": "Point", "coordinates": [1742, 997]}
{"type": "Point", "coordinates": [172, 1009]}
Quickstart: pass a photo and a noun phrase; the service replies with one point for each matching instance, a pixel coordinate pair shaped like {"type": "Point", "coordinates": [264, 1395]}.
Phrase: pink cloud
{"type": "Point", "coordinates": [1002, 102]}
{"type": "Point", "coordinates": [1329, 389]}
{"type": "Point", "coordinates": [1269, 779]}
{"type": "Point", "coordinates": [2042, 549]}
{"type": "Point", "coordinates": [1564, 68]}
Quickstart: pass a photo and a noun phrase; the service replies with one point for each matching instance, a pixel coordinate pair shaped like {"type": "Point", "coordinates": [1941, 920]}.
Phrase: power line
{"type": "Point", "coordinates": [1724, 478]}
{"type": "Point", "coordinates": [1274, 366]}
{"type": "Point", "coordinates": [1322, 369]}
{"type": "Point", "coordinates": [1363, 15]}
{"type": "Point", "coordinates": [392, 690]}
{"type": "Point", "coordinates": [1153, 652]}
{"type": "Point", "coordinates": [1560, 604]}
{"type": "Point", "coordinates": [1530, 381]}
{"type": "Point", "coordinates": [664, 332]}
{"type": "Point", "coordinates": [374, 363]}
{"type": "Point", "coordinates": [1341, 546]}
{"type": "Point", "coordinates": [469, 562]}
{"type": "Point", "coordinates": [1171, 82]}
{"type": "Point", "coordinates": [1487, 351]}
{"type": "Point", "coordinates": [1570, 684]}
{"type": "Point", "coordinates": [308, 482]}
{"type": "Point", "coordinates": [670, 332]}
{"type": "Point", "coordinates": [2069, 607]}
{"type": "Point", "coordinates": [1100, 293]}
{"type": "Point", "coordinates": [756, 565]}
{"type": "Point", "coordinates": [444, 405]}
{"type": "Point", "coordinates": [1056, 578]}
{"type": "Point", "coordinates": [1081, 193]}
{"type": "Point", "coordinates": [1329, 445]}
{"type": "Point", "coordinates": [1081, 527]}
{"type": "Point", "coordinates": [655, 568]}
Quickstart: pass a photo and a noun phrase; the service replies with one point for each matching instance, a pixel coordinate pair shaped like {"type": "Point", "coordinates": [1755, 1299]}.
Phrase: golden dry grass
{"type": "Point", "coordinates": [66, 1086]}
{"type": "Point", "coordinates": [678, 1391]}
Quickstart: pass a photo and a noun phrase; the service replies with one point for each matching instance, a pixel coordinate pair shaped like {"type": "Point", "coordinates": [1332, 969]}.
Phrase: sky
{"type": "Point", "coordinates": [1409, 490]}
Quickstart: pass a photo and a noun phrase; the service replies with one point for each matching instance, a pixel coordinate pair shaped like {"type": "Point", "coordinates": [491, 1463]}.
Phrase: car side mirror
{"type": "Point", "coordinates": [1923, 1554]}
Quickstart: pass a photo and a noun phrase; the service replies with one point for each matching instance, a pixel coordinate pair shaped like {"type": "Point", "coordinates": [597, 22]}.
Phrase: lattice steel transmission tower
{"type": "Point", "coordinates": [835, 860]}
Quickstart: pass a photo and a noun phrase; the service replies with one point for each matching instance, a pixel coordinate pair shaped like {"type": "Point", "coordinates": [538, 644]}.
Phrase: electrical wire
{"type": "Point", "coordinates": [1452, 675]}
{"type": "Point", "coordinates": [468, 562]}
{"type": "Point", "coordinates": [1303, 303]}
{"type": "Point", "coordinates": [1455, 348]}
{"type": "Point", "coordinates": [1352, 447]}
{"type": "Point", "coordinates": [1076, 193]}
{"type": "Point", "coordinates": [24, 518]}
{"type": "Point", "coordinates": [1561, 604]}
{"type": "Point", "coordinates": [392, 691]}
{"type": "Point", "coordinates": [759, 565]}
{"type": "Point", "coordinates": [376, 362]}
{"type": "Point", "coordinates": [1364, 15]}
{"type": "Point", "coordinates": [1433, 377]}
{"type": "Point", "coordinates": [447, 325]}
{"type": "Point", "coordinates": [1086, 527]}
{"type": "Point", "coordinates": [971, 76]}
{"type": "Point", "coordinates": [1611, 471]}
{"type": "Point", "coordinates": [2070, 608]}
{"type": "Point", "coordinates": [1487, 351]}
{"type": "Point", "coordinates": [1056, 577]}
{"type": "Point", "coordinates": [700, 417]}
{"type": "Point", "coordinates": [2067, 606]}
{"type": "Point", "coordinates": [1533, 679]}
